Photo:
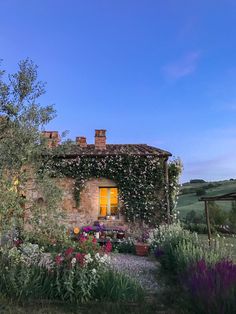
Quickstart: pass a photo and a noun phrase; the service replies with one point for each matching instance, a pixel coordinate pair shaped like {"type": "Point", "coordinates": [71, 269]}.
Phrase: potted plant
{"type": "Point", "coordinates": [141, 240]}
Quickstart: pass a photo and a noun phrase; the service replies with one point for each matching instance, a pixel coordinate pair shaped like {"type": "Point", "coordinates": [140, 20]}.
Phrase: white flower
{"type": "Point", "coordinates": [73, 261]}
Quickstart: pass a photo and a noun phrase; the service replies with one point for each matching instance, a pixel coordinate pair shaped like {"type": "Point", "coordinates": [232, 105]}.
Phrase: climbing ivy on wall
{"type": "Point", "coordinates": [174, 169]}
{"type": "Point", "coordinates": [140, 180]}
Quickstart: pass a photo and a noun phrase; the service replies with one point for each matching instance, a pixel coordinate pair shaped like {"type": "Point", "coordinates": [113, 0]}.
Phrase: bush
{"type": "Point", "coordinates": [30, 274]}
{"type": "Point", "coordinates": [75, 275]}
{"type": "Point", "coordinates": [205, 276]}
{"type": "Point", "coordinates": [216, 214]}
{"type": "Point", "coordinates": [200, 192]}
{"type": "Point", "coordinates": [125, 246]}
{"type": "Point", "coordinates": [193, 217]}
{"type": "Point", "coordinates": [198, 227]}
{"type": "Point", "coordinates": [182, 248]}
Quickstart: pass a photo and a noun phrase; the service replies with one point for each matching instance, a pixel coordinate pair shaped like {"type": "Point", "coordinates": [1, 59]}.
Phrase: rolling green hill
{"type": "Point", "coordinates": [188, 200]}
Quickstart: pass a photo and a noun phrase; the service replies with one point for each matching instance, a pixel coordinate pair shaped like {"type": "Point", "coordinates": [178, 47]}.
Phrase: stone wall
{"type": "Point", "coordinates": [88, 209]}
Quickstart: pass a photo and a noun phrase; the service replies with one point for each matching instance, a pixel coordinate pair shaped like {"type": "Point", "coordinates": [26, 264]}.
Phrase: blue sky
{"type": "Point", "coordinates": [155, 72]}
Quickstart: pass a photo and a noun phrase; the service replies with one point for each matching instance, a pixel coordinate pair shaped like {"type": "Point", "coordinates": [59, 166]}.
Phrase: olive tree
{"type": "Point", "coordinates": [22, 119]}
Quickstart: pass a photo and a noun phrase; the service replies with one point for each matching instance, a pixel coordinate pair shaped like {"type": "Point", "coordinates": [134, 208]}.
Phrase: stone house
{"type": "Point", "coordinates": [104, 192]}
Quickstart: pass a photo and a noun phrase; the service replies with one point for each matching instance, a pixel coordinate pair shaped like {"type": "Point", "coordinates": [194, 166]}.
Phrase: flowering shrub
{"type": "Point", "coordinates": [125, 246]}
{"type": "Point", "coordinates": [27, 272]}
{"type": "Point", "coordinates": [77, 274]}
{"type": "Point", "coordinates": [87, 244]}
{"type": "Point", "coordinates": [28, 254]}
{"type": "Point", "coordinates": [211, 289]}
{"type": "Point", "coordinates": [165, 235]}
{"type": "Point", "coordinates": [107, 248]}
{"type": "Point", "coordinates": [177, 248]}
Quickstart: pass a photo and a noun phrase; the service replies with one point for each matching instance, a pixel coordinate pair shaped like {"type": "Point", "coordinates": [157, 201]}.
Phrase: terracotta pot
{"type": "Point", "coordinates": [142, 249]}
{"type": "Point", "coordinates": [120, 235]}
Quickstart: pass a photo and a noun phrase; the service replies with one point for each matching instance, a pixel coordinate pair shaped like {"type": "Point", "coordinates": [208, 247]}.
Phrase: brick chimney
{"type": "Point", "coordinates": [52, 138]}
{"type": "Point", "coordinates": [100, 139]}
{"type": "Point", "coordinates": [81, 141]}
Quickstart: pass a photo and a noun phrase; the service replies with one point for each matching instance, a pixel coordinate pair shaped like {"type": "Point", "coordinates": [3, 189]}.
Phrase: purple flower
{"type": "Point", "coordinates": [212, 286]}
{"type": "Point", "coordinates": [100, 228]}
{"type": "Point", "coordinates": [87, 229]}
{"type": "Point", "coordinates": [158, 252]}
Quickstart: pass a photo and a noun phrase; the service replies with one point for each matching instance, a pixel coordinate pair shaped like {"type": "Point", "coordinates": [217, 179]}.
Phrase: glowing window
{"type": "Point", "coordinates": [108, 201]}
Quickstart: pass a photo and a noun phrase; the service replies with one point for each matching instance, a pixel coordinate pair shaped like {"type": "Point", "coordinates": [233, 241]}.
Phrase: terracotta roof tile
{"type": "Point", "coordinates": [115, 149]}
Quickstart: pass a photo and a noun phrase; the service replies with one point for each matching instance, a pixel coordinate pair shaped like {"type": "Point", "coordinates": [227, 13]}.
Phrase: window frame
{"type": "Point", "coordinates": [108, 213]}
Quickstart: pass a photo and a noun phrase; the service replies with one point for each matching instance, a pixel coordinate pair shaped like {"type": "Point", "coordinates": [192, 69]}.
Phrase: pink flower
{"type": "Point", "coordinates": [18, 242]}
{"type": "Point", "coordinates": [58, 259]}
{"type": "Point", "coordinates": [69, 251]}
{"type": "Point", "coordinates": [108, 247]}
{"type": "Point", "coordinates": [80, 258]}
{"type": "Point", "coordinates": [82, 238]}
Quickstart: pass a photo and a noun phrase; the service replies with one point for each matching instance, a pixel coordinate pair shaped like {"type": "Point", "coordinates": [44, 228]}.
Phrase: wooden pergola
{"type": "Point", "coordinates": [207, 199]}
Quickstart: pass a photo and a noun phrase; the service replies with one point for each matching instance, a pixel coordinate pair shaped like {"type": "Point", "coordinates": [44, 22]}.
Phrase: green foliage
{"type": "Point", "coordinates": [216, 214]}
{"type": "Point", "coordinates": [194, 217]}
{"type": "Point", "coordinates": [232, 213]}
{"type": "Point", "coordinates": [140, 180]}
{"type": "Point", "coordinates": [200, 192]}
{"type": "Point", "coordinates": [115, 286]}
{"type": "Point", "coordinates": [22, 119]}
{"type": "Point", "coordinates": [27, 273]}
{"type": "Point", "coordinates": [125, 246]}
{"type": "Point", "coordinates": [198, 227]}
{"type": "Point", "coordinates": [181, 248]}
{"type": "Point", "coordinates": [189, 201]}
{"type": "Point", "coordinates": [174, 171]}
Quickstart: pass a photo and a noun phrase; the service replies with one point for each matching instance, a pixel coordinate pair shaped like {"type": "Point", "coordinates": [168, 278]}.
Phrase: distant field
{"type": "Point", "coordinates": [190, 201]}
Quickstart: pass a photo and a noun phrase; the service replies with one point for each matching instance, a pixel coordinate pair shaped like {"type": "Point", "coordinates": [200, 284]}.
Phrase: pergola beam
{"type": "Point", "coordinates": [206, 200]}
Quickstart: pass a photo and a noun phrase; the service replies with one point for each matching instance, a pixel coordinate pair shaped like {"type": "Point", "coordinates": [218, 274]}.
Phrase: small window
{"type": "Point", "coordinates": [108, 201]}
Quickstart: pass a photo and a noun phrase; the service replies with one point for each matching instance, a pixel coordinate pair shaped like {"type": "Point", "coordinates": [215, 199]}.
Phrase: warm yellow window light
{"type": "Point", "coordinates": [108, 201]}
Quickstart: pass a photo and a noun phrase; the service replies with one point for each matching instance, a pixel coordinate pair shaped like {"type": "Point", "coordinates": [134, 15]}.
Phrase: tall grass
{"type": "Point", "coordinates": [115, 286]}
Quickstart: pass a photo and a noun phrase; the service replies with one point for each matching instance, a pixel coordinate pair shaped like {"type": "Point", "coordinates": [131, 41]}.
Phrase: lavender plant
{"type": "Point", "coordinates": [211, 289]}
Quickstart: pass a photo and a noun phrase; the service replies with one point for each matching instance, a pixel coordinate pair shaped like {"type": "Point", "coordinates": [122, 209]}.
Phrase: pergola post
{"type": "Point", "coordinates": [208, 222]}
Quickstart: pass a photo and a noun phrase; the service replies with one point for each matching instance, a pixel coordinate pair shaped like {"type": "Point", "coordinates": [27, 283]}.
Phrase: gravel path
{"type": "Point", "coordinates": [142, 268]}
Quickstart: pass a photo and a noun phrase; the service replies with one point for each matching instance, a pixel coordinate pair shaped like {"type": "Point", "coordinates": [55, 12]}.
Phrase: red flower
{"type": "Point", "coordinates": [58, 259]}
{"type": "Point", "coordinates": [80, 258]}
{"type": "Point", "coordinates": [94, 240]}
{"type": "Point", "coordinates": [18, 242]}
{"type": "Point", "coordinates": [82, 238]}
{"type": "Point", "coordinates": [108, 247]}
{"type": "Point", "coordinates": [69, 251]}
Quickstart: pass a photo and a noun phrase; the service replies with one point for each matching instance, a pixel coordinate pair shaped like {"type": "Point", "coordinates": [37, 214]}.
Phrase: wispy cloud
{"type": "Point", "coordinates": [182, 67]}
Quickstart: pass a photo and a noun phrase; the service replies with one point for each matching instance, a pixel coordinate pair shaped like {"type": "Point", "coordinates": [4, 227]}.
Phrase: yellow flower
{"type": "Point", "coordinates": [76, 230]}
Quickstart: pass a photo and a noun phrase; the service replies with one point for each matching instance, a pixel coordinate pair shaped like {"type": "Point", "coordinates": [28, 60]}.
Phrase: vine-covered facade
{"type": "Point", "coordinates": [114, 182]}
